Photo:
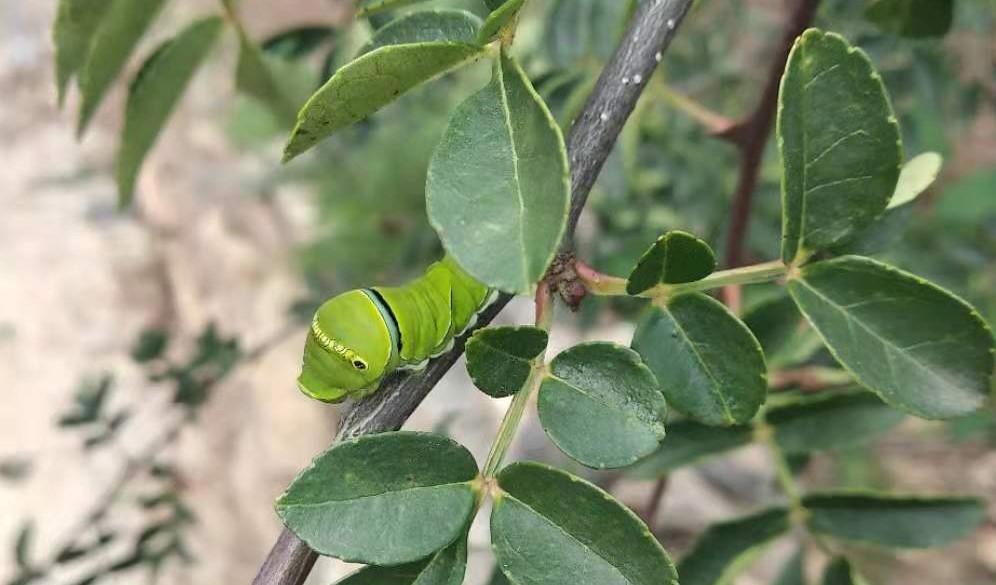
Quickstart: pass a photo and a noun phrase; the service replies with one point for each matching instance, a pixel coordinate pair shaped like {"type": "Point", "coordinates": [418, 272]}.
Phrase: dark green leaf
{"type": "Point", "coordinates": [840, 572]}
{"type": "Point", "coordinates": [498, 190]}
{"type": "Point", "coordinates": [498, 19]}
{"type": "Point", "coordinates": [912, 18]}
{"type": "Point", "coordinates": [427, 26]}
{"type": "Point", "coordinates": [793, 573]}
{"type": "Point", "coordinates": [725, 549]}
{"type": "Point", "coordinates": [602, 406]}
{"type": "Point", "coordinates": [151, 345]}
{"type": "Point", "coordinates": [383, 499]}
{"type": "Point", "coordinates": [580, 30]}
{"type": "Point", "coordinates": [155, 92]}
{"type": "Point", "coordinates": [783, 333]}
{"type": "Point", "coordinates": [551, 528]}
{"type": "Point", "coordinates": [369, 83]}
{"type": "Point", "coordinates": [22, 545]}
{"type": "Point", "coordinates": [675, 258]}
{"type": "Point", "coordinates": [839, 143]}
{"type": "Point", "coordinates": [707, 362]}
{"type": "Point", "coordinates": [831, 421]}
{"type": "Point", "coordinates": [297, 42]}
{"type": "Point", "coordinates": [688, 442]}
{"type": "Point", "coordinates": [914, 344]}
{"type": "Point", "coordinates": [254, 76]}
{"type": "Point", "coordinates": [117, 34]}
{"type": "Point", "coordinates": [367, 8]}
{"type": "Point", "coordinates": [498, 577]}
{"type": "Point", "coordinates": [893, 521]}
{"type": "Point", "coordinates": [446, 567]}
{"type": "Point", "coordinates": [75, 24]}
{"type": "Point", "coordinates": [501, 359]}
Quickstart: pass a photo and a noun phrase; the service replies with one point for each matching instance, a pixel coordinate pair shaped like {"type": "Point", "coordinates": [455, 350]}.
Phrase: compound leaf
{"type": "Point", "coordinates": [676, 257]}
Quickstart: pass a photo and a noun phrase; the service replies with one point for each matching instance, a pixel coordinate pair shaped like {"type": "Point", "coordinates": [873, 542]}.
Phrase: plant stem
{"type": "Point", "coordinates": [714, 123]}
{"type": "Point", "coordinates": [605, 285]}
{"type": "Point", "coordinates": [509, 425]}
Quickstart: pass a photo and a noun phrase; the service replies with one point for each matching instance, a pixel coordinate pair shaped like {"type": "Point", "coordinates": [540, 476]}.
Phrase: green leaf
{"type": "Point", "coordinates": [447, 567]}
{"type": "Point", "coordinates": [783, 333]}
{"type": "Point", "coordinates": [912, 18]}
{"type": "Point", "coordinates": [151, 345]}
{"type": "Point", "coordinates": [383, 499]}
{"type": "Point", "coordinates": [547, 524]}
{"type": "Point", "coordinates": [893, 521]}
{"type": "Point", "coordinates": [75, 24]}
{"type": "Point", "coordinates": [254, 77]}
{"type": "Point", "coordinates": [916, 177]}
{"type": "Point", "coordinates": [914, 344]}
{"type": "Point", "coordinates": [501, 359]}
{"type": "Point", "coordinates": [688, 442]}
{"type": "Point", "coordinates": [498, 577]}
{"type": "Point", "coordinates": [969, 200]}
{"type": "Point", "coordinates": [725, 549]}
{"type": "Point", "coordinates": [369, 83]}
{"type": "Point", "coordinates": [22, 545]}
{"type": "Point", "coordinates": [793, 573]}
{"type": "Point", "coordinates": [117, 34]}
{"type": "Point", "coordinates": [498, 189]}
{"type": "Point", "coordinates": [602, 406]}
{"type": "Point", "coordinates": [676, 257]}
{"type": "Point", "coordinates": [580, 30]}
{"type": "Point", "coordinates": [831, 421]}
{"type": "Point", "coordinates": [839, 143]}
{"type": "Point", "coordinates": [297, 42]}
{"type": "Point", "coordinates": [707, 362]}
{"type": "Point", "coordinates": [367, 8]}
{"type": "Point", "coordinates": [494, 4]}
{"type": "Point", "coordinates": [155, 92]}
{"type": "Point", "coordinates": [498, 19]}
{"type": "Point", "coordinates": [427, 26]}
{"type": "Point", "coordinates": [840, 572]}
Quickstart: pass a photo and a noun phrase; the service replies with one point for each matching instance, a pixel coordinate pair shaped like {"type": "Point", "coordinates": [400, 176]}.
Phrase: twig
{"type": "Point", "coordinates": [592, 136]}
{"type": "Point", "coordinates": [654, 504]}
{"type": "Point", "coordinates": [751, 134]}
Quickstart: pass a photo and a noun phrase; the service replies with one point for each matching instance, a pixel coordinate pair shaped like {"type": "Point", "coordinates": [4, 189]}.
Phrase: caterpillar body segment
{"type": "Point", "coordinates": [359, 337]}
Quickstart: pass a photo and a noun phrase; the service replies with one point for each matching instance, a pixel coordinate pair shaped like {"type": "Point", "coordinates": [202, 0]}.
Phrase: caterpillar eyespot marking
{"type": "Point", "coordinates": [360, 336]}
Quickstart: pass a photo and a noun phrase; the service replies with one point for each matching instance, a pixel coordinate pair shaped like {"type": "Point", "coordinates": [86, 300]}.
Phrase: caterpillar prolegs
{"type": "Point", "coordinates": [359, 337]}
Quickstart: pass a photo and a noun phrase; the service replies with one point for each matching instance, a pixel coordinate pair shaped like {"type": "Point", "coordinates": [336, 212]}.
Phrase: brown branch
{"type": "Point", "coordinates": [751, 134]}
{"type": "Point", "coordinates": [591, 139]}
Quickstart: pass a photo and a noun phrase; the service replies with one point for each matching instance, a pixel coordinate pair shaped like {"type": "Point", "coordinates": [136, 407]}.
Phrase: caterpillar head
{"type": "Point", "coordinates": [348, 349]}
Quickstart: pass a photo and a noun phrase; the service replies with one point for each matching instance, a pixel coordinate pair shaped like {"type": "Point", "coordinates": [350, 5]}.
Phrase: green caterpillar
{"type": "Point", "coordinates": [359, 337]}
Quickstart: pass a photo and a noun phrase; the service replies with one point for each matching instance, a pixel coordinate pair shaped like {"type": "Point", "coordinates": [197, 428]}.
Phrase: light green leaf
{"type": "Point", "coordinates": [367, 8]}
{"type": "Point", "coordinates": [551, 528]}
{"type": "Point", "coordinates": [498, 190]}
{"type": "Point", "coordinates": [426, 26]}
{"type": "Point", "coordinates": [724, 550]}
{"type": "Point", "coordinates": [707, 362]}
{"type": "Point", "coordinates": [831, 421]}
{"type": "Point", "coordinates": [688, 442]}
{"type": "Point", "coordinates": [916, 177]}
{"type": "Point", "coordinates": [893, 521]}
{"type": "Point", "coordinates": [498, 19]}
{"type": "Point", "coordinates": [839, 143]}
{"type": "Point", "coordinates": [112, 44]}
{"type": "Point", "coordinates": [155, 92]}
{"type": "Point", "coordinates": [840, 572]}
{"type": "Point", "coordinates": [75, 24]}
{"type": "Point", "coordinates": [914, 344]}
{"type": "Point", "coordinates": [602, 406]}
{"type": "Point", "coordinates": [676, 257]}
{"type": "Point", "coordinates": [446, 567]}
{"type": "Point", "coordinates": [912, 18]}
{"type": "Point", "coordinates": [369, 83]}
{"type": "Point", "coordinates": [501, 359]}
{"type": "Point", "coordinates": [383, 499]}
{"type": "Point", "coordinates": [254, 77]}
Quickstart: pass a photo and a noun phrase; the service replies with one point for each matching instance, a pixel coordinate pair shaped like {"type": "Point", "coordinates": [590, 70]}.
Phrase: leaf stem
{"type": "Point", "coordinates": [605, 285]}
{"type": "Point", "coordinates": [513, 416]}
